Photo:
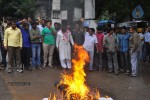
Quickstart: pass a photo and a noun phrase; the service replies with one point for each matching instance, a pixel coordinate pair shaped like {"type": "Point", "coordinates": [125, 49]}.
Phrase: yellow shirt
{"type": "Point", "coordinates": [13, 37]}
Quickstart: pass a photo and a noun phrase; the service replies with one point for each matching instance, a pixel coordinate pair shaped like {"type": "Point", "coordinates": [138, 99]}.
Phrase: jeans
{"type": "Point", "coordinates": [134, 62]}
{"type": "Point", "coordinates": [91, 54]}
{"type": "Point", "coordinates": [48, 53]}
{"type": "Point", "coordinates": [4, 53]}
{"type": "Point", "coordinates": [146, 52]}
{"type": "Point", "coordinates": [36, 54]}
{"type": "Point", "coordinates": [25, 56]}
{"type": "Point", "coordinates": [112, 61]}
{"type": "Point", "coordinates": [124, 56]}
{"type": "Point", "coordinates": [14, 51]}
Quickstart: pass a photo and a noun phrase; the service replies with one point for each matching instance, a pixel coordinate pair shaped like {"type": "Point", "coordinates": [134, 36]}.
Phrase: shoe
{"type": "Point", "coordinates": [90, 69]}
{"type": "Point", "coordinates": [29, 68]}
{"type": "Point", "coordinates": [1, 68]}
{"type": "Point", "coordinates": [133, 75]}
{"type": "Point", "coordinates": [110, 71]}
{"type": "Point", "coordinates": [33, 68]}
{"type": "Point", "coordinates": [9, 70]}
{"type": "Point", "coordinates": [50, 66]}
{"type": "Point", "coordinates": [19, 70]}
{"type": "Point", "coordinates": [121, 70]}
{"type": "Point", "coordinates": [44, 66]}
{"type": "Point", "coordinates": [128, 72]}
{"type": "Point", "coordinates": [116, 73]}
{"type": "Point", "coordinates": [39, 67]}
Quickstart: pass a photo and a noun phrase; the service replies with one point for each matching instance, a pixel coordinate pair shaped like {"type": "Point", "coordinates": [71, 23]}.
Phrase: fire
{"type": "Point", "coordinates": [74, 83]}
{"type": "Point", "coordinates": [76, 87]}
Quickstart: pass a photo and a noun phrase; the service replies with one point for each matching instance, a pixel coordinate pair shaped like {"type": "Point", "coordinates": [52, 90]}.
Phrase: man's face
{"type": "Point", "coordinates": [26, 27]}
{"type": "Point", "coordinates": [98, 31]}
{"type": "Point", "coordinates": [29, 19]}
{"type": "Point", "coordinates": [77, 26]}
{"type": "Point", "coordinates": [13, 25]}
{"type": "Point", "coordinates": [34, 26]}
{"type": "Point", "coordinates": [90, 32]}
{"type": "Point", "coordinates": [148, 29]}
{"type": "Point", "coordinates": [49, 25]}
{"type": "Point", "coordinates": [123, 31]}
{"type": "Point", "coordinates": [111, 32]}
{"type": "Point", "coordinates": [131, 30]}
{"type": "Point", "coordinates": [117, 31]}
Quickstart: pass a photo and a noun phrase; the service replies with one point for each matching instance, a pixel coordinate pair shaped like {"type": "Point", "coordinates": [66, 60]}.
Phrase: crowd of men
{"type": "Point", "coordinates": [37, 44]}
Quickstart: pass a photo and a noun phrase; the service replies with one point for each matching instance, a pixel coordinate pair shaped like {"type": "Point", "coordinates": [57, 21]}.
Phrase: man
{"type": "Point", "coordinates": [64, 38]}
{"type": "Point", "coordinates": [100, 37]}
{"type": "Point", "coordinates": [56, 60]}
{"type": "Point", "coordinates": [48, 43]}
{"type": "Point", "coordinates": [4, 51]}
{"type": "Point", "coordinates": [1, 42]}
{"type": "Point", "coordinates": [90, 41]}
{"type": "Point", "coordinates": [26, 50]}
{"type": "Point", "coordinates": [13, 43]}
{"type": "Point", "coordinates": [147, 44]}
{"type": "Point", "coordinates": [134, 50]}
{"type": "Point", "coordinates": [35, 37]}
{"type": "Point", "coordinates": [123, 40]}
{"type": "Point", "coordinates": [78, 35]}
{"type": "Point", "coordinates": [110, 43]}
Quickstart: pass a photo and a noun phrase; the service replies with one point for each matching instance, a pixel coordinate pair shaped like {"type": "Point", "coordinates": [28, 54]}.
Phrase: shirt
{"type": "Point", "coordinates": [135, 42]}
{"type": "Point", "coordinates": [89, 42]}
{"type": "Point", "coordinates": [25, 36]}
{"type": "Point", "coordinates": [110, 42]}
{"type": "Point", "coordinates": [40, 27]}
{"type": "Point", "coordinates": [78, 37]}
{"type": "Point", "coordinates": [13, 37]}
{"type": "Point", "coordinates": [123, 40]}
{"type": "Point", "coordinates": [48, 35]}
{"type": "Point", "coordinates": [147, 37]}
{"type": "Point", "coordinates": [100, 41]}
{"type": "Point", "coordinates": [33, 33]}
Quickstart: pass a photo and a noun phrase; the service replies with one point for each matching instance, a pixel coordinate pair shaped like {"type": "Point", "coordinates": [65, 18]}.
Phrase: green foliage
{"type": "Point", "coordinates": [120, 10]}
{"type": "Point", "coordinates": [18, 8]}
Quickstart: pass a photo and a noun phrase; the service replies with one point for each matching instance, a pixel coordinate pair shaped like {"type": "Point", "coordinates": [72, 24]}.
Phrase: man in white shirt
{"type": "Point", "coordinates": [90, 41]}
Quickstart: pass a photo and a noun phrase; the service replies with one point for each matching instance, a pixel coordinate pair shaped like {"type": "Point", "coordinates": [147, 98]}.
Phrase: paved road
{"type": "Point", "coordinates": [121, 87]}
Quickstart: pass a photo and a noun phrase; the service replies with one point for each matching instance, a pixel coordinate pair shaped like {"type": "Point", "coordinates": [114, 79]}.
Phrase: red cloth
{"type": "Point", "coordinates": [100, 38]}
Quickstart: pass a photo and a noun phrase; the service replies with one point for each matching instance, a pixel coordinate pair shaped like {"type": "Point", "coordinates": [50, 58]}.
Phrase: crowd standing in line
{"type": "Point", "coordinates": [36, 44]}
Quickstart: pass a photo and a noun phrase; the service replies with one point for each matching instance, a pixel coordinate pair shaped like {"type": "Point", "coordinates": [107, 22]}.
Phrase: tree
{"type": "Point", "coordinates": [121, 9]}
{"type": "Point", "coordinates": [17, 8]}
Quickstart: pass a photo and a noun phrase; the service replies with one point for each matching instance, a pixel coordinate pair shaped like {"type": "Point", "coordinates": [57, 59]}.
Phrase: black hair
{"type": "Point", "coordinates": [13, 21]}
{"type": "Point", "coordinates": [49, 21]}
{"type": "Point", "coordinates": [92, 29]}
{"type": "Point", "coordinates": [33, 23]}
{"type": "Point", "coordinates": [124, 27]}
{"type": "Point", "coordinates": [99, 28]}
{"type": "Point", "coordinates": [109, 29]}
{"type": "Point", "coordinates": [133, 27]}
{"type": "Point", "coordinates": [25, 24]}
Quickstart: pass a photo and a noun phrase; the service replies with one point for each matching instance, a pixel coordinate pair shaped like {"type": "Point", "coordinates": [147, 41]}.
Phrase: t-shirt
{"type": "Point", "coordinates": [48, 36]}
{"type": "Point", "coordinates": [89, 42]}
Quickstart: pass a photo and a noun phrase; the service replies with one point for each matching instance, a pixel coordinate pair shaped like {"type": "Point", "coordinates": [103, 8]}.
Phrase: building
{"type": "Point", "coordinates": [66, 11]}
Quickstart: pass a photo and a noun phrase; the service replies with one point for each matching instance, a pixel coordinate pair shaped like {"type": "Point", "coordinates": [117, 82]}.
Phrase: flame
{"type": "Point", "coordinates": [76, 87]}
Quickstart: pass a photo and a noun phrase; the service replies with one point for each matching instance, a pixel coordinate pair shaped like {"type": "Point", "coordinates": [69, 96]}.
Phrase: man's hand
{"type": "Point", "coordinates": [5, 47]}
{"type": "Point", "coordinates": [20, 48]}
{"type": "Point", "coordinates": [57, 49]}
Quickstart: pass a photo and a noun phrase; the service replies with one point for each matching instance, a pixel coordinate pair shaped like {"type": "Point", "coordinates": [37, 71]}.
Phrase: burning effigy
{"type": "Point", "coordinates": [73, 85]}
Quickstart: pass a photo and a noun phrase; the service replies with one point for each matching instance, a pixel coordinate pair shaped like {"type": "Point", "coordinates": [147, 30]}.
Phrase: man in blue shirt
{"type": "Point", "coordinates": [26, 46]}
{"type": "Point", "coordinates": [147, 44]}
{"type": "Point", "coordinates": [123, 40]}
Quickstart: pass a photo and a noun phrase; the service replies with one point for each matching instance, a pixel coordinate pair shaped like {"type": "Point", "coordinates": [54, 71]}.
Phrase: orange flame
{"type": "Point", "coordinates": [77, 89]}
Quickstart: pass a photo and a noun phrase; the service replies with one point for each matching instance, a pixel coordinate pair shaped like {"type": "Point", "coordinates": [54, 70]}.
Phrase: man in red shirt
{"type": "Point", "coordinates": [100, 36]}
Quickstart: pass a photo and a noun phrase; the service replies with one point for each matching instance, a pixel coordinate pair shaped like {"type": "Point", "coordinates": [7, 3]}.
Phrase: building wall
{"type": "Point", "coordinates": [43, 9]}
